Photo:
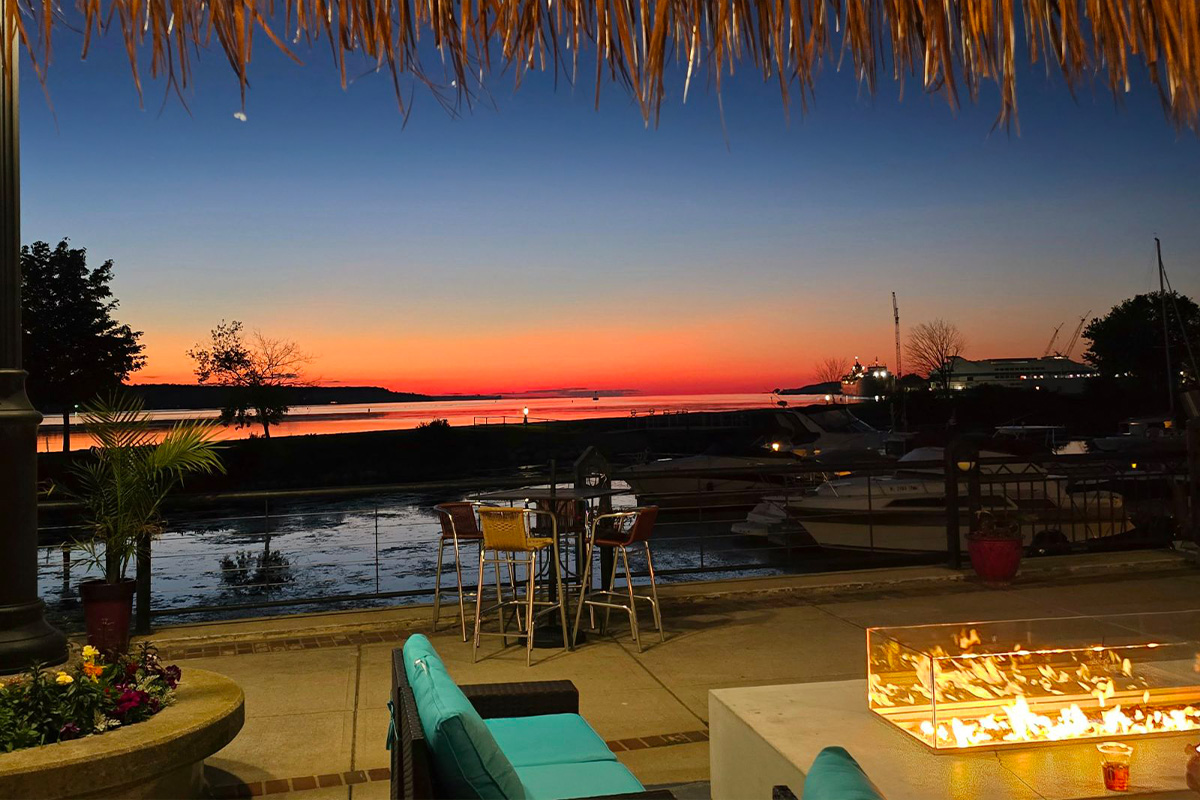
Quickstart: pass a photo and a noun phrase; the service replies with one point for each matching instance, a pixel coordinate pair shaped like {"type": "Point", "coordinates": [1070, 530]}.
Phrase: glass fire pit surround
{"type": "Point", "coordinates": [1018, 682]}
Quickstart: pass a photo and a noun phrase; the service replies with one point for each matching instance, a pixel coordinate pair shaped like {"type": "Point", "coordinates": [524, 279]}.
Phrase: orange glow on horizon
{"type": "Point", "coordinates": [731, 353]}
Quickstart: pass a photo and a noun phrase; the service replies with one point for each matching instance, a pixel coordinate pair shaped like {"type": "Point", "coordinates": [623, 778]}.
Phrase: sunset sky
{"type": "Point", "coordinates": [541, 243]}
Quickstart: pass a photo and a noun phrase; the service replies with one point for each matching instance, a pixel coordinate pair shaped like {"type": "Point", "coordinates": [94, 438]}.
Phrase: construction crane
{"type": "Point", "coordinates": [1053, 339]}
{"type": "Point", "coordinates": [1075, 336]}
{"type": "Point", "coordinates": [896, 314]}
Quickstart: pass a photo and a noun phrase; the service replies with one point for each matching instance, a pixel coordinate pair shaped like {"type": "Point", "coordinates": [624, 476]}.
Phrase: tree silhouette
{"type": "Point", "coordinates": [258, 370]}
{"type": "Point", "coordinates": [831, 370]}
{"type": "Point", "coordinates": [932, 348]}
{"type": "Point", "coordinates": [1128, 340]}
{"type": "Point", "coordinates": [72, 347]}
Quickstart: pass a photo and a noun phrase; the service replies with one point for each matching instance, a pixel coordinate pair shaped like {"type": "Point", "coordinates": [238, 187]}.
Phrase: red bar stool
{"type": "Point", "coordinates": [628, 529]}
{"type": "Point", "coordinates": [458, 526]}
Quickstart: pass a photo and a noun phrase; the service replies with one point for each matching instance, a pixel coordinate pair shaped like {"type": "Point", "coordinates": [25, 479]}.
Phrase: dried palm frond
{"type": "Point", "coordinates": [952, 46]}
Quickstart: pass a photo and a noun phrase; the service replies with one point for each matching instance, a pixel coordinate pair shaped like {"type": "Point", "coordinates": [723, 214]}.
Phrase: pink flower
{"type": "Point", "coordinates": [130, 700]}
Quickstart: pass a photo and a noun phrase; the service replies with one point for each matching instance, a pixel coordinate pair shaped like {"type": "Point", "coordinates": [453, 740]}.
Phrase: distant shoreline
{"type": "Point", "coordinates": [194, 397]}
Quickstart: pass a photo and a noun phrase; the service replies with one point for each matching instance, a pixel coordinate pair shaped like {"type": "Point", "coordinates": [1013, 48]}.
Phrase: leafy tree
{"type": "Point", "coordinates": [73, 348]}
{"type": "Point", "coordinates": [932, 348]}
{"type": "Point", "coordinates": [1128, 340]}
{"type": "Point", "coordinates": [259, 371]}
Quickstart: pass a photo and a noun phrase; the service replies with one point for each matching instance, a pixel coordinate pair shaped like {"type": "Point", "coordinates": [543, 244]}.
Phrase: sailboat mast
{"type": "Point", "coordinates": [1162, 296]}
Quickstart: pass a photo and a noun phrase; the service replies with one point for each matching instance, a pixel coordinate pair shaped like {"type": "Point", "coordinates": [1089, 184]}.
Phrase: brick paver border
{"type": "Point", "coordinates": [305, 782]}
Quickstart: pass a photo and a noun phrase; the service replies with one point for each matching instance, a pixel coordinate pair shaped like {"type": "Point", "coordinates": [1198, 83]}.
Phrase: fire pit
{"type": "Point", "coordinates": [1019, 682]}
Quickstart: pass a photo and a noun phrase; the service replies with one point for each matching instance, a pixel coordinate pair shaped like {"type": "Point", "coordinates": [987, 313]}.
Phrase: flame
{"type": "Point", "coordinates": [1025, 695]}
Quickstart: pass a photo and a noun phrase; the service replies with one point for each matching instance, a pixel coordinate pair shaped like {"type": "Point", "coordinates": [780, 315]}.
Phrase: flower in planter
{"type": "Point", "coordinates": [89, 652]}
{"type": "Point", "coordinates": [171, 676]}
{"type": "Point", "coordinates": [130, 699]}
{"type": "Point", "coordinates": [92, 696]}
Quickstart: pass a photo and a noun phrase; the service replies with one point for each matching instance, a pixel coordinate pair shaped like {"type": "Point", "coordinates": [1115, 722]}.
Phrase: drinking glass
{"type": "Point", "coordinates": [1115, 762]}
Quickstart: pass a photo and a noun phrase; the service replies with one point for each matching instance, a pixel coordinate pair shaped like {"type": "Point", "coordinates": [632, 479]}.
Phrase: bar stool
{"type": "Point", "coordinates": [507, 536]}
{"type": "Point", "coordinates": [458, 525]}
{"type": "Point", "coordinates": [629, 528]}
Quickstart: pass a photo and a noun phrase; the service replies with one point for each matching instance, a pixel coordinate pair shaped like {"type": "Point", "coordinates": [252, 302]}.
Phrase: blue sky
{"type": "Point", "coordinates": [486, 252]}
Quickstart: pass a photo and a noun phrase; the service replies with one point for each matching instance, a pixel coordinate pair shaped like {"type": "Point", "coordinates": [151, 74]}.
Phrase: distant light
{"type": "Point", "coordinates": [828, 398]}
{"type": "Point", "coordinates": [240, 116]}
{"type": "Point", "coordinates": [965, 465]}
{"type": "Point", "coordinates": [775, 446]}
{"type": "Point", "coordinates": [1133, 465]}
{"type": "Point", "coordinates": [526, 411]}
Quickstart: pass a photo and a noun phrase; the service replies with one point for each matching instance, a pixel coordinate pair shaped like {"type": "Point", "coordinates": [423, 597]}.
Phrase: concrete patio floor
{"type": "Point", "coordinates": [316, 685]}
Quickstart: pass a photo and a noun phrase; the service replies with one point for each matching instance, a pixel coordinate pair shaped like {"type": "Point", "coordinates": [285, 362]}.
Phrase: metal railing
{"type": "Point", "coordinates": [226, 555]}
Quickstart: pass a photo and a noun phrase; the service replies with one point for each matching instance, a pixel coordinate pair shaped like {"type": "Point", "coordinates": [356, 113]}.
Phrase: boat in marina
{"type": "Point", "coordinates": [906, 510]}
{"type": "Point", "coordinates": [873, 381]}
{"type": "Point", "coordinates": [740, 480]}
{"type": "Point", "coordinates": [1144, 436]}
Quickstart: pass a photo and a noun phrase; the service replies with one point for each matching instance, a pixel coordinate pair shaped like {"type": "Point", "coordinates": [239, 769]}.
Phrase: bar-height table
{"type": "Point", "coordinates": [571, 506]}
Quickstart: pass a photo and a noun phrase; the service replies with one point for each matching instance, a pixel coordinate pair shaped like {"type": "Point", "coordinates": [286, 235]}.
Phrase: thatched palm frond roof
{"type": "Point", "coordinates": [953, 47]}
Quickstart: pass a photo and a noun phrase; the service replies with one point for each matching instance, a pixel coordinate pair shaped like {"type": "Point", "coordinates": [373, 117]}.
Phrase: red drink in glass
{"type": "Point", "coordinates": [1116, 777]}
{"type": "Point", "coordinates": [1115, 763]}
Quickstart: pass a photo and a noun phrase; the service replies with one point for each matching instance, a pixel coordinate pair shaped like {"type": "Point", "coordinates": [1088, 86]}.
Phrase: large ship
{"type": "Point", "coordinates": [870, 381]}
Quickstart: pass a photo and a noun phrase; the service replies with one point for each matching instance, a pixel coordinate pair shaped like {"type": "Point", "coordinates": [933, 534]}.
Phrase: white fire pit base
{"type": "Point", "coordinates": [765, 736]}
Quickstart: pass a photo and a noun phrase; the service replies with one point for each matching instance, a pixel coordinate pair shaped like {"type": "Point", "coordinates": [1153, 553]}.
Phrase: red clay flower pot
{"type": "Point", "coordinates": [995, 559]}
{"type": "Point", "coordinates": [107, 608]}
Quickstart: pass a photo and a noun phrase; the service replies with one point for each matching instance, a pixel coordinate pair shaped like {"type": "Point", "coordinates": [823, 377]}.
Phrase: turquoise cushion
{"type": "Point", "coordinates": [835, 775]}
{"type": "Point", "coordinates": [466, 758]}
{"type": "Point", "coordinates": [588, 779]}
{"type": "Point", "coordinates": [548, 739]}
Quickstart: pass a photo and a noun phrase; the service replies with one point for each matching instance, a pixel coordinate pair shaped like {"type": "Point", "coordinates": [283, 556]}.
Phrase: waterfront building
{"type": "Point", "coordinates": [1049, 373]}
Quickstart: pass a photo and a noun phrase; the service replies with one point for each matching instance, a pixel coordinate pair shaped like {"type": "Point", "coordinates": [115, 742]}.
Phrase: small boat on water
{"type": "Point", "coordinates": [906, 511]}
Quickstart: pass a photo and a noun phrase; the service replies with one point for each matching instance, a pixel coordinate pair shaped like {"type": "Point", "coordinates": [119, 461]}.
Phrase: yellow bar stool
{"type": "Point", "coordinates": [508, 539]}
{"type": "Point", "coordinates": [628, 528]}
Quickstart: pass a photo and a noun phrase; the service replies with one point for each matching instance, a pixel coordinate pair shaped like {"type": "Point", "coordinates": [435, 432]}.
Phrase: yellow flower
{"type": "Point", "coordinates": [63, 678]}
{"type": "Point", "coordinates": [90, 652]}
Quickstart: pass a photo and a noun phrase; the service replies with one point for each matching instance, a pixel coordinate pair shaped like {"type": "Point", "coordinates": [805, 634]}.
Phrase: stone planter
{"type": "Point", "coordinates": [162, 757]}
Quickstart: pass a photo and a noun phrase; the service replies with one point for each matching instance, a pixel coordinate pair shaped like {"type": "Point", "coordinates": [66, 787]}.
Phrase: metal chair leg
{"type": "Point", "coordinates": [662, 636]}
{"type": "Point", "coordinates": [532, 568]}
{"type": "Point", "coordinates": [437, 587]}
{"type": "Point", "coordinates": [478, 607]}
{"type": "Point", "coordinates": [462, 603]}
{"type": "Point", "coordinates": [612, 582]}
{"type": "Point", "coordinates": [633, 622]}
{"type": "Point", "coordinates": [562, 596]}
{"type": "Point", "coordinates": [512, 584]}
{"type": "Point", "coordinates": [583, 593]}
{"type": "Point", "coordinates": [500, 603]}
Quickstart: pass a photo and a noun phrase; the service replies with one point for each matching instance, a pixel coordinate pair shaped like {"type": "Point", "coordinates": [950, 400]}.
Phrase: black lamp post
{"type": "Point", "coordinates": [25, 636]}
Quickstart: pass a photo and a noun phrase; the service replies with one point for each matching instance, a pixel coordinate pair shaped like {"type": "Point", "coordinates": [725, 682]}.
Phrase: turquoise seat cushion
{"type": "Point", "coordinates": [835, 775]}
{"type": "Point", "coordinates": [466, 758]}
{"type": "Point", "coordinates": [586, 779]}
{"type": "Point", "coordinates": [548, 739]}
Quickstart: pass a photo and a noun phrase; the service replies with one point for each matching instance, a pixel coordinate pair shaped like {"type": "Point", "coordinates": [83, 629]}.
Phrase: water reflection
{"type": "Point", "coordinates": [291, 552]}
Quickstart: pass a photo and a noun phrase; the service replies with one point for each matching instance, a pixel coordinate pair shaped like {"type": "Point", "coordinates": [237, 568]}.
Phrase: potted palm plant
{"type": "Point", "coordinates": [121, 488]}
{"type": "Point", "coordinates": [995, 547]}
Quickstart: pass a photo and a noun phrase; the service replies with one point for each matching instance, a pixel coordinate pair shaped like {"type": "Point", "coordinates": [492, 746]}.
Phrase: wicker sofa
{"type": "Point", "coordinates": [519, 722]}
